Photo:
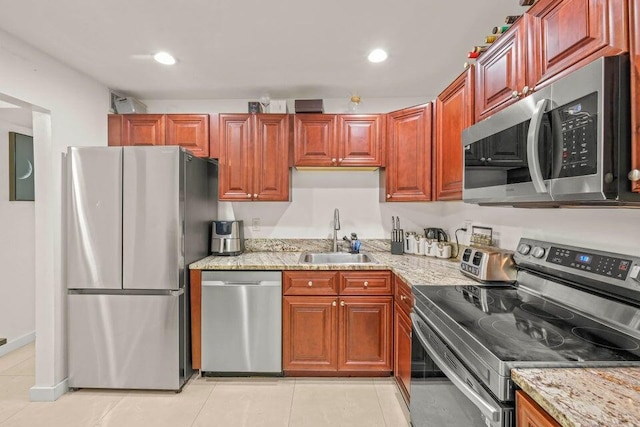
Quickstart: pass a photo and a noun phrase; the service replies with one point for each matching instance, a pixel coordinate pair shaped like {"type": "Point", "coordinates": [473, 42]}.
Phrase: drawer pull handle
{"type": "Point", "coordinates": [366, 284]}
{"type": "Point", "coordinates": [310, 283]}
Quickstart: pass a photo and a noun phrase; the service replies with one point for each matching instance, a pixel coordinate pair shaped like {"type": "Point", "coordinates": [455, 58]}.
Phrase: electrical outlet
{"type": "Point", "coordinates": [467, 225]}
{"type": "Point", "coordinates": [255, 224]}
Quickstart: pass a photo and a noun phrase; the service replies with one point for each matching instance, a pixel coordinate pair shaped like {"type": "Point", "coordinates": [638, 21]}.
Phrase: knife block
{"type": "Point", "coordinates": [397, 248]}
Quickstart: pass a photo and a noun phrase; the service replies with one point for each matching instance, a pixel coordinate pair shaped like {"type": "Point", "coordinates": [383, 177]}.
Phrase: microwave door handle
{"type": "Point", "coordinates": [533, 140]}
{"type": "Point", "coordinates": [488, 410]}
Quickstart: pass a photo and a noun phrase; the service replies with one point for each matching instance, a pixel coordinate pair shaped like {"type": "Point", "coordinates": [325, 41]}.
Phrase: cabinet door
{"type": "Point", "coordinates": [408, 172]}
{"type": "Point", "coordinates": [236, 157]}
{"type": "Point", "coordinates": [501, 71]}
{"type": "Point", "coordinates": [635, 90]}
{"type": "Point", "coordinates": [365, 334]}
{"type": "Point", "coordinates": [143, 129]}
{"type": "Point", "coordinates": [190, 131]}
{"type": "Point", "coordinates": [454, 112]}
{"type": "Point", "coordinates": [403, 295]}
{"type": "Point", "coordinates": [271, 160]}
{"type": "Point", "coordinates": [114, 129]}
{"type": "Point", "coordinates": [314, 140]}
{"type": "Point", "coordinates": [310, 282]}
{"type": "Point", "coordinates": [360, 139]}
{"type": "Point", "coordinates": [530, 414]}
{"type": "Point", "coordinates": [365, 283]}
{"type": "Point", "coordinates": [309, 326]}
{"type": "Point", "coordinates": [566, 34]}
{"type": "Point", "coordinates": [402, 350]}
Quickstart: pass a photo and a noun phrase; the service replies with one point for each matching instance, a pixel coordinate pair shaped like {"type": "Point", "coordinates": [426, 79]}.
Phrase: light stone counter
{"type": "Point", "coordinates": [285, 255]}
{"type": "Point", "coordinates": [585, 397]}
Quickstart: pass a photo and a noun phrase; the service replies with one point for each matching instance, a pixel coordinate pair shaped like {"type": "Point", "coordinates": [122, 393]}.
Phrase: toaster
{"type": "Point", "coordinates": [487, 264]}
{"type": "Point", "coordinates": [227, 237]}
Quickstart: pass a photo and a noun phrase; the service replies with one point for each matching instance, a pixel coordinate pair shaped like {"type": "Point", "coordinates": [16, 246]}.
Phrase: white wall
{"type": "Point", "coordinates": [356, 194]}
{"type": "Point", "coordinates": [17, 252]}
{"type": "Point", "coordinates": [72, 110]}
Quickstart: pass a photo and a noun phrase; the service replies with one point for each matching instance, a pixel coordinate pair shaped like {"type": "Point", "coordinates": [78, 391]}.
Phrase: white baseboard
{"type": "Point", "coordinates": [16, 343]}
{"type": "Point", "coordinates": [49, 394]}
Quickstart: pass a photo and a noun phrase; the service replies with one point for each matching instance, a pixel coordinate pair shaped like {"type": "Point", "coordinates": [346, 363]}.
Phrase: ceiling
{"type": "Point", "coordinates": [243, 49]}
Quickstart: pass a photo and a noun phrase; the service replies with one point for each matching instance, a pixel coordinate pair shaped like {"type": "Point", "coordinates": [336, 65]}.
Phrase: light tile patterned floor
{"type": "Point", "coordinates": [210, 402]}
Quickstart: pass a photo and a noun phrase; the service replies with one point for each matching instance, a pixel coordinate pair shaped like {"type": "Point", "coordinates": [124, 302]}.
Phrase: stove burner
{"type": "Point", "coordinates": [546, 310]}
{"type": "Point", "coordinates": [521, 330]}
{"type": "Point", "coordinates": [605, 338]}
{"type": "Point", "coordinates": [454, 295]}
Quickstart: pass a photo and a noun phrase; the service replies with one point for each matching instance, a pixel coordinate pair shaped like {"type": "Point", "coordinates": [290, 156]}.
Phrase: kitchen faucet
{"type": "Point", "coordinates": [336, 227]}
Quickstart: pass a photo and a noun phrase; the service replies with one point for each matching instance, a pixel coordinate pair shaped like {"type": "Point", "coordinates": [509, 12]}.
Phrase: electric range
{"type": "Point", "coordinates": [570, 307]}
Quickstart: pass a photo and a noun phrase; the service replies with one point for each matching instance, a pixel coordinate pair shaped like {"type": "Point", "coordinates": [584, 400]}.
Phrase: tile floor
{"type": "Point", "coordinates": [228, 402]}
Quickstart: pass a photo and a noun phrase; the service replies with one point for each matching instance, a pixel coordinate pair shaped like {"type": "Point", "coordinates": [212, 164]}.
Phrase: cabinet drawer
{"type": "Point", "coordinates": [403, 295]}
{"type": "Point", "coordinates": [365, 283]}
{"type": "Point", "coordinates": [310, 283]}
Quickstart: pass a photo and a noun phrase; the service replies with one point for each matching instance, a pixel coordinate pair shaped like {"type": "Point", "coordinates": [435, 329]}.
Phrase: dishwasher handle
{"type": "Point", "coordinates": [265, 283]}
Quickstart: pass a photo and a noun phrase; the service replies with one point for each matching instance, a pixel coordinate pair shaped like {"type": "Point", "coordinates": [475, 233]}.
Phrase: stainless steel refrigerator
{"type": "Point", "coordinates": [136, 217]}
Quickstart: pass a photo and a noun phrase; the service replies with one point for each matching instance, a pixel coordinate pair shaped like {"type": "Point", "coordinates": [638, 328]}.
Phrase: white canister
{"type": "Point", "coordinates": [410, 242]}
{"type": "Point", "coordinates": [422, 244]}
{"type": "Point", "coordinates": [430, 247]}
{"type": "Point", "coordinates": [419, 244]}
{"type": "Point", "coordinates": [443, 250]}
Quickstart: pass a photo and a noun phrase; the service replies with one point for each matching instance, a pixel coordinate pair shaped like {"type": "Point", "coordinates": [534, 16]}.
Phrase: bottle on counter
{"type": "Point", "coordinates": [511, 19]}
{"type": "Point", "coordinates": [492, 38]}
{"type": "Point", "coordinates": [473, 55]}
{"type": "Point", "coordinates": [501, 29]}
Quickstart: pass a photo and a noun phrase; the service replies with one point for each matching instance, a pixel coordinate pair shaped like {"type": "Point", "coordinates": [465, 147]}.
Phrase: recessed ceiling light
{"type": "Point", "coordinates": [164, 58]}
{"type": "Point", "coordinates": [377, 55]}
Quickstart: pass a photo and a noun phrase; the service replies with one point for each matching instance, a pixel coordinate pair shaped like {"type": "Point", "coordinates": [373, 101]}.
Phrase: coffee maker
{"type": "Point", "coordinates": [227, 237]}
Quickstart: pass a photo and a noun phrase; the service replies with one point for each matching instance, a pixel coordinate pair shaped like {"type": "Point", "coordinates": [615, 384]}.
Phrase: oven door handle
{"type": "Point", "coordinates": [488, 410]}
{"type": "Point", "coordinates": [533, 140]}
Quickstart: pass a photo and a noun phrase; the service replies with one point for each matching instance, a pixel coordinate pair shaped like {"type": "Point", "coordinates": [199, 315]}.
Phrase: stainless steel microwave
{"type": "Point", "coordinates": [566, 144]}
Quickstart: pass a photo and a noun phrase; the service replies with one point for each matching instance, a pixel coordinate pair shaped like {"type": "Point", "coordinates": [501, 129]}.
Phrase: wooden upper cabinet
{"type": "Point", "coordinates": [254, 157]}
{"type": "Point", "coordinates": [408, 172]}
{"type": "Point", "coordinates": [365, 337]}
{"type": "Point", "coordinates": [143, 129]}
{"type": "Point", "coordinates": [566, 34]}
{"type": "Point", "coordinates": [530, 414]}
{"type": "Point", "coordinates": [314, 140]}
{"type": "Point", "coordinates": [236, 157]}
{"type": "Point", "coordinates": [360, 139]}
{"type": "Point", "coordinates": [453, 113]}
{"type": "Point", "coordinates": [501, 73]}
{"type": "Point", "coordinates": [635, 89]}
{"type": "Point", "coordinates": [190, 131]}
{"type": "Point", "coordinates": [271, 158]}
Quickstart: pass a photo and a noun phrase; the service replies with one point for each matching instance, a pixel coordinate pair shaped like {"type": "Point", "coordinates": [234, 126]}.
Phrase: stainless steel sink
{"type": "Point", "coordinates": [335, 258]}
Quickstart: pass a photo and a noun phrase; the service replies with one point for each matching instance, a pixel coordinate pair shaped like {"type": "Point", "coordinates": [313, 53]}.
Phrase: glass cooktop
{"type": "Point", "coordinates": [515, 325]}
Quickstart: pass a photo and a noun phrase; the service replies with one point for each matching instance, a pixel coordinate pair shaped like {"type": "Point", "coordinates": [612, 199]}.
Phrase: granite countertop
{"type": "Point", "coordinates": [274, 254]}
{"type": "Point", "coordinates": [585, 397]}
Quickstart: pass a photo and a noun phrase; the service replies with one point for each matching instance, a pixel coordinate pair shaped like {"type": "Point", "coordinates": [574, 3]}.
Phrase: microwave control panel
{"type": "Point", "coordinates": [579, 137]}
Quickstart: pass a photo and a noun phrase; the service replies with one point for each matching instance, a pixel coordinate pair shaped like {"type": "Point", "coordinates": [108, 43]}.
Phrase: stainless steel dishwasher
{"type": "Point", "coordinates": [241, 322]}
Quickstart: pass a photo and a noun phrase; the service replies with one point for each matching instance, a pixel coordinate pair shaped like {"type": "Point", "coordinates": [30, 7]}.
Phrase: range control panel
{"type": "Point", "coordinates": [607, 266]}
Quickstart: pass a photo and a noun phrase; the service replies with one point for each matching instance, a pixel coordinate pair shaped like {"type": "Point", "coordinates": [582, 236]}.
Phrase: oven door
{"type": "Point", "coordinates": [444, 392]}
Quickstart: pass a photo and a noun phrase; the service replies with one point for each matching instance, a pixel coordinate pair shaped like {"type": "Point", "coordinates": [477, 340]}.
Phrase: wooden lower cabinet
{"type": "Point", "coordinates": [309, 333]}
{"type": "Point", "coordinates": [634, 36]}
{"type": "Point", "coordinates": [402, 350]}
{"type": "Point", "coordinates": [530, 414]}
{"type": "Point", "coordinates": [364, 334]}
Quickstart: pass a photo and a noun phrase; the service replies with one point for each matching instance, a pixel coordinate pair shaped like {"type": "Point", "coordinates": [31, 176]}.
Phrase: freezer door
{"type": "Point", "coordinates": [94, 217]}
{"type": "Point", "coordinates": [124, 341]}
{"type": "Point", "coordinates": [152, 227]}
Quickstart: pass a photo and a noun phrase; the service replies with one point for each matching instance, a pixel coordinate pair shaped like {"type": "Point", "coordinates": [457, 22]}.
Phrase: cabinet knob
{"type": "Point", "coordinates": [248, 195]}
{"type": "Point", "coordinates": [482, 159]}
{"type": "Point", "coordinates": [388, 196]}
{"type": "Point", "coordinates": [526, 90]}
{"type": "Point", "coordinates": [340, 159]}
{"type": "Point", "coordinates": [255, 195]}
{"type": "Point", "coordinates": [488, 159]}
{"type": "Point", "coordinates": [366, 284]}
{"type": "Point", "coordinates": [403, 297]}
{"type": "Point", "coordinates": [341, 303]}
{"type": "Point", "coordinates": [515, 94]}
{"type": "Point", "coordinates": [333, 303]}
{"type": "Point", "coordinates": [310, 283]}
{"type": "Point", "coordinates": [333, 160]}
{"type": "Point", "coordinates": [634, 175]}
